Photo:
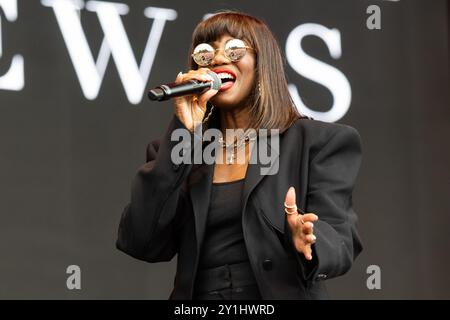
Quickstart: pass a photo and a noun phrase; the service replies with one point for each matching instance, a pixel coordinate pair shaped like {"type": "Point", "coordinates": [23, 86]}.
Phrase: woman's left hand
{"type": "Point", "coordinates": [301, 225]}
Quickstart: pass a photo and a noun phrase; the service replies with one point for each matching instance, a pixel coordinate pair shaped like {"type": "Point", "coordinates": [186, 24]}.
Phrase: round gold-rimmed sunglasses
{"type": "Point", "coordinates": [234, 50]}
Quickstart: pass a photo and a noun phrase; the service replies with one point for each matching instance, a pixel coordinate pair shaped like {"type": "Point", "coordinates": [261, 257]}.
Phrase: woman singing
{"type": "Point", "coordinates": [241, 232]}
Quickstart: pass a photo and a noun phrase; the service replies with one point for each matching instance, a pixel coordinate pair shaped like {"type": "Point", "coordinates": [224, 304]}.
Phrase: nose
{"type": "Point", "coordinates": [219, 58]}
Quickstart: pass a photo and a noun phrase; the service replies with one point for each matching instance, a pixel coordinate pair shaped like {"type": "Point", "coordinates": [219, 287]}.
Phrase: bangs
{"type": "Point", "coordinates": [216, 26]}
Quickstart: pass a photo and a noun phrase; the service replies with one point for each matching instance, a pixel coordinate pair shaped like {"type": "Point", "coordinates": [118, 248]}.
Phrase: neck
{"type": "Point", "coordinates": [234, 119]}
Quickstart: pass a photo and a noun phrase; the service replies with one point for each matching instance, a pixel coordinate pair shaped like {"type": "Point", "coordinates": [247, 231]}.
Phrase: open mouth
{"type": "Point", "coordinates": [227, 79]}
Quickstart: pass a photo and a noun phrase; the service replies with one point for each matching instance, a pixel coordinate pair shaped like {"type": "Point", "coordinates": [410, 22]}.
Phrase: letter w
{"type": "Point", "coordinates": [90, 72]}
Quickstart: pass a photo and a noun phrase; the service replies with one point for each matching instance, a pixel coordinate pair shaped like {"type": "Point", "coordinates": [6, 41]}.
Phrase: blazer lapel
{"type": "Point", "coordinates": [255, 171]}
{"type": "Point", "coordinates": [200, 182]}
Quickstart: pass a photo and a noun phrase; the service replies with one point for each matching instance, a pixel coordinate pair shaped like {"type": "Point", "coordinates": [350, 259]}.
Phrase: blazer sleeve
{"type": "Point", "coordinates": [149, 223]}
{"type": "Point", "coordinates": [332, 176]}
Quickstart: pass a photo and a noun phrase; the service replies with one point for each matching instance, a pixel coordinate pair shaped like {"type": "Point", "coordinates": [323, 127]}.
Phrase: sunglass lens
{"type": "Point", "coordinates": [203, 54]}
{"type": "Point", "coordinates": [235, 54]}
{"type": "Point", "coordinates": [235, 49]}
{"type": "Point", "coordinates": [203, 58]}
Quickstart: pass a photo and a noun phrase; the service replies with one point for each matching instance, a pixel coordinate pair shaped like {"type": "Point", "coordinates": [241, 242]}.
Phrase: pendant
{"type": "Point", "coordinates": [230, 158]}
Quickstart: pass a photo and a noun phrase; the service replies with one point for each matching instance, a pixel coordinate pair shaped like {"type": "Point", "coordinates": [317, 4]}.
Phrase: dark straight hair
{"type": "Point", "coordinates": [271, 105]}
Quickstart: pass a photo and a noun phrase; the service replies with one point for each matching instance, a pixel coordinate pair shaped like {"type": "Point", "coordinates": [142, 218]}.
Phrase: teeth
{"type": "Point", "coordinates": [224, 75]}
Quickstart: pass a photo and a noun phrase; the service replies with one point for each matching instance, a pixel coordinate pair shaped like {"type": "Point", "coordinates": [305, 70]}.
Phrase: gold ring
{"type": "Point", "coordinates": [286, 207]}
{"type": "Point", "coordinates": [290, 212]}
{"type": "Point", "coordinates": [290, 207]}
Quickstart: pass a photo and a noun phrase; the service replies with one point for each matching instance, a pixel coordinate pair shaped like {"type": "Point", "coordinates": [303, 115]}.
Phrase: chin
{"type": "Point", "coordinates": [226, 102]}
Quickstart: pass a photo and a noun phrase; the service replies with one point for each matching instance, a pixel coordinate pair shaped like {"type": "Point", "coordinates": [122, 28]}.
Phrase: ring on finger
{"type": "Point", "coordinates": [301, 220]}
{"type": "Point", "coordinates": [290, 212]}
{"type": "Point", "coordinates": [288, 207]}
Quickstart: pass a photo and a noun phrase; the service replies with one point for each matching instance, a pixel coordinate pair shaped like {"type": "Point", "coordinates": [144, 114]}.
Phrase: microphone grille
{"type": "Point", "coordinates": [217, 82]}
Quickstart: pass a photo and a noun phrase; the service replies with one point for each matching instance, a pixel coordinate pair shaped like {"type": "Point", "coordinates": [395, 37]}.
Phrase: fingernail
{"type": "Point", "coordinates": [179, 73]}
{"type": "Point", "coordinates": [314, 237]}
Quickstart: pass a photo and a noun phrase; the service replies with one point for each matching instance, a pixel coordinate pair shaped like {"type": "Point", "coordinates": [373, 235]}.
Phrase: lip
{"type": "Point", "coordinates": [227, 85]}
{"type": "Point", "coordinates": [218, 70]}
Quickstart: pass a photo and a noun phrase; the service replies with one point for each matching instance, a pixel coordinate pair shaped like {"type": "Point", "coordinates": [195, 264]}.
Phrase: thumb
{"type": "Point", "coordinates": [291, 201]}
{"type": "Point", "coordinates": [290, 197]}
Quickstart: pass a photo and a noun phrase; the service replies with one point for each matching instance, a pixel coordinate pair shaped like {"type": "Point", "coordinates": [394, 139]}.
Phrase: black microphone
{"type": "Point", "coordinates": [171, 90]}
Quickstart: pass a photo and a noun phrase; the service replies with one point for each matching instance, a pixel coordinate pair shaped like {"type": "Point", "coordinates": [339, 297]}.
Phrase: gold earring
{"type": "Point", "coordinates": [259, 87]}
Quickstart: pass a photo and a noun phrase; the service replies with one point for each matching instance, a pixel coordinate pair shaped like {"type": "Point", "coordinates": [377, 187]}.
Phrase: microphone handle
{"type": "Point", "coordinates": [171, 90]}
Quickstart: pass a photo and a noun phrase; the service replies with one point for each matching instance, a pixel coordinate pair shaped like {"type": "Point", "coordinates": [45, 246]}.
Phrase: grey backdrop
{"type": "Point", "coordinates": [66, 163]}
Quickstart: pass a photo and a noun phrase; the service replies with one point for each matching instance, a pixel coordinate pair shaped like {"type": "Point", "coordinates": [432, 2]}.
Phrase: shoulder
{"type": "Point", "coordinates": [316, 134]}
{"type": "Point", "coordinates": [318, 130]}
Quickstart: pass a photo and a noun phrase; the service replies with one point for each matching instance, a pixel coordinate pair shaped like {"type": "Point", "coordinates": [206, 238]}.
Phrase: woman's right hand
{"type": "Point", "coordinates": [191, 109]}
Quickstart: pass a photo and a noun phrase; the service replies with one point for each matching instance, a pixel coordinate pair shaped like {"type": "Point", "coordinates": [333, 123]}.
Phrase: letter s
{"type": "Point", "coordinates": [319, 71]}
{"type": "Point", "coordinates": [14, 78]}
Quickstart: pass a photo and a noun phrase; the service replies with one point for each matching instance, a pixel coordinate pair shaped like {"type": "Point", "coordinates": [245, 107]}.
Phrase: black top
{"type": "Point", "coordinates": [224, 240]}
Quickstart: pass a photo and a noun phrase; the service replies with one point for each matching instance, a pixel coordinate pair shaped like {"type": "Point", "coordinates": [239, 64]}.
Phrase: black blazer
{"type": "Point", "coordinates": [169, 205]}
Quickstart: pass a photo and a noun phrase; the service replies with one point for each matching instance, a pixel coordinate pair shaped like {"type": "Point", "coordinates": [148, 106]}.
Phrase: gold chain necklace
{"type": "Point", "coordinates": [234, 146]}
